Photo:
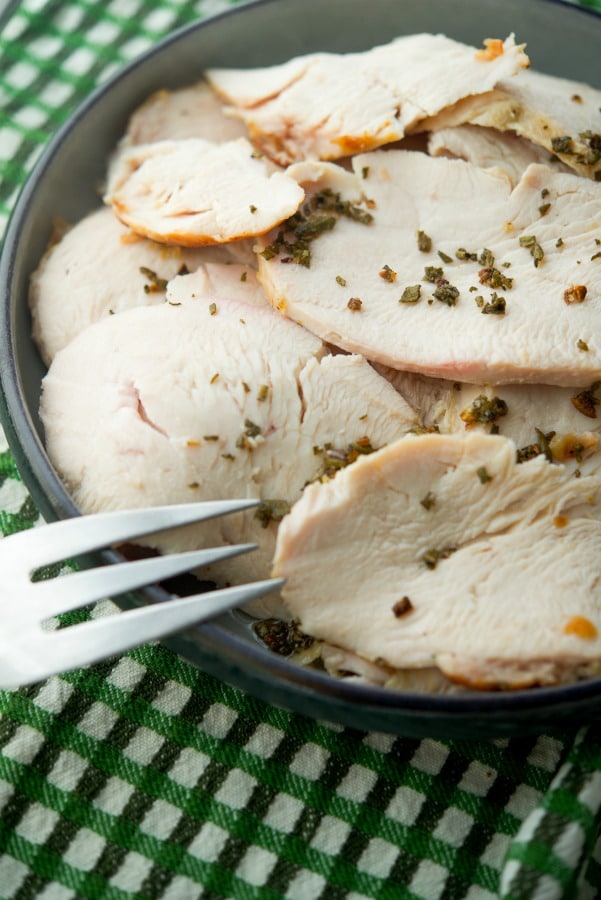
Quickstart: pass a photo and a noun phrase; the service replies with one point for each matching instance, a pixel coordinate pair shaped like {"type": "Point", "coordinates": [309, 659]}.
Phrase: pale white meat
{"type": "Point", "coordinates": [327, 105]}
{"type": "Point", "coordinates": [544, 236]}
{"type": "Point", "coordinates": [563, 423]}
{"type": "Point", "coordinates": [561, 115]}
{"type": "Point", "coordinates": [213, 282]}
{"type": "Point", "coordinates": [189, 112]}
{"type": "Point", "coordinates": [99, 268]}
{"type": "Point", "coordinates": [444, 551]}
{"type": "Point", "coordinates": [194, 192]}
{"type": "Point", "coordinates": [176, 403]}
{"type": "Point", "coordinates": [488, 148]}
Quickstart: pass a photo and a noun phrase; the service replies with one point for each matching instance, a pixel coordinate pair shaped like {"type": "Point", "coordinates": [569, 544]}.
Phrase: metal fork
{"type": "Point", "coordinates": [30, 653]}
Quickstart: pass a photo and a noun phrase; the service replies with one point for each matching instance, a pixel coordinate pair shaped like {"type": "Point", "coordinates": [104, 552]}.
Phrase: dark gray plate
{"type": "Point", "coordinates": [562, 40]}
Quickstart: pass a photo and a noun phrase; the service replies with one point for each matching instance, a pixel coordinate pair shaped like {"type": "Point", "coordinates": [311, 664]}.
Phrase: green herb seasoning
{"type": "Point", "coordinates": [213, 309]}
{"type": "Point", "coordinates": [283, 638]}
{"type": "Point", "coordinates": [355, 304]}
{"type": "Point", "coordinates": [341, 281]}
{"type": "Point", "coordinates": [263, 393]}
{"type": "Point", "coordinates": [483, 475]}
{"type": "Point", "coordinates": [563, 144]}
{"type": "Point", "coordinates": [486, 258]}
{"type": "Point", "coordinates": [155, 284]}
{"type": "Point", "coordinates": [492, 277]}
{"type": "Point", "coordinates": [536, 251]}
{"type": "Point", "coordinates": [271, 511]}
{"type": "Point", "coordinates": [582, 345]}
{"type": "Point", "coordinates": [587, 401]}
{"type": "Point", "coordinates": [319, 214]}
{"type": "Point", "coordinates": [465, 256]}
{"type": "Point", "coordinates": [432, 557]}
{"type": "Point", "coordinates": [484, 411]}
{"type": "Point", "coordinates": [411, 294]}
{"type": "Point", "coordinates": [445, 257]}
{"type": "Point", "coordinates": [424, 242]}
{"type": "Point", "coordinates": [246, 441]}
{"type": "Point", "coordinates": [496, 306]}
{"type": "Point", "coordinates": [446, 293]}
{"type": "Point", "coordinates": [433, 274]}
{"type": "Point", "coordinates": [542, 446]}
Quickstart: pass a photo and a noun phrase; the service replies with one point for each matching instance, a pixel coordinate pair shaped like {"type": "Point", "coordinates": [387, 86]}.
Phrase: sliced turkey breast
{"type": "Point", "coordinates": [194, 192]}
{"type": "Point", "coordinates": [327, 105]}
{"type": "Point", "coordinates": [444, 551]}
{"type": "Point", "coordinates": [488, 148]}
{"type": "Point", "coordinates": [560, 115]}
{"type": "Point", "coordinates": [437, 266]}
{"type": "Point", "coordinates": [561, 423]}
{"type": "Point", "coordinates": [175, 403]}
{"type": "Point", "coordinates": [99, 267]}
{"type": "Point", "coordinates": [189, 112]}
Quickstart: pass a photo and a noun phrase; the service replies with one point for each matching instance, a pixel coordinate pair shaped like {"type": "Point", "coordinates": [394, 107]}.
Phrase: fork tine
{"type": "Point", "coordinates": [83, 534]}
{"type": "Point", "coordinates": [89, 642]}
{"type": "Point", "coordinates": [77, 589]}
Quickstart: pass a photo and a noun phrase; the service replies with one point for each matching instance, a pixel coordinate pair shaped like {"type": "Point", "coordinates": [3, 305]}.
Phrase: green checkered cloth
{"type": "Point", "coordinates": [142, 777]}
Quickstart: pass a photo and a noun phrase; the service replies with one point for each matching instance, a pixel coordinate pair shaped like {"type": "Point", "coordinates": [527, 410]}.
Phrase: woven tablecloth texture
{"type": "Point", "coordinates": [143, 777]}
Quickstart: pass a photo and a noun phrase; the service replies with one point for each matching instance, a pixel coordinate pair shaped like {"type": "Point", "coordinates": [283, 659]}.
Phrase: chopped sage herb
{"type": "Point", "coordinates": [271, 511]}
{"type": "Point", "coordinates": [283, 638]}
{"type": "Point", "coordinates": [559, 242]}
{"type": "Point", "coordinates": [341, 281]}
{"type": "Point", "coordinates": [210, 437]}
{"type": "Point", "coordinates": [465, 256]}
{"type": "Point", "coordinates": [486, 258]}
{"type": "Point", "coordinates": [228, 456]}
{"type": "Point", "coordinates": [432, 274]}
{"type": "Point", "coordinates": [596, 256]}
{"type": "Point", "coordinates": [431, 558]}
{"type": "Point", "coordinates": [243, 276]}
{"type": "Point", "coordinates": [155, 284]}
{"type": "Point", "coordinates": [575, 294]}
{"type": "Point", "coordinates": [424, 242]}
{"type": "Point", "coordinates": [263, 393]}
{"type": "Point", "coordinates": [446, 293]}
{"type": "Point", "coordinates": [252, 208]}
{"type": "Point", "coordinates": [483, 475]}
{"type": "Point", "coordinates": [335, 459]}
{"type": "Point", "coordinates": [319, 214]}
{"type": "Point", "coordinates": [544, 208]}
{"type": "Point", "coordinates": [411, 294]}
{"type": "Point", "coordinates": [582, 345]}
{"type": "Point", "coordinates": [544, 193]}
{"type": "Point", "coordinates": [536, 251]}
{"type": "Point", "coordinates": [246, 441]}
{"type": "Point", "coordinates": [494, 278]}
{"type": "Point", "coordinates": [213, 309]}
{"type": "Point", "coordinates": [246, 387]}
{"type": "Point", "coordinates": [542, 446]}
{"type": "Point", "coordinates": [445, 257]}
{"type": "Point", "coordinates": [587, 401]}
{"type": "Point", "coordinates": [484, 411]}
{"type": "Point", "coordinates": [428, 501]}
{"type": "Point", "coordinates": [496, 306]}
{"type": "Point", "coordinates": [214, 378]}
{"type": "Point", "coordinates": [562, 144]}
{"type": "Point", "coordinates": [402, 607]}
{"type": "Point", "coordinates": [365, 172]}
{"type": "Point", "coordinates": [387, 274]}
{"type": "Point", "coordinates": [355, 304]}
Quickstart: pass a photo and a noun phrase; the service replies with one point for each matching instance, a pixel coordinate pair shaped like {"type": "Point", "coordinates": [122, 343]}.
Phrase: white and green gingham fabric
{"type": "Point", "coordinates": [143, 777]}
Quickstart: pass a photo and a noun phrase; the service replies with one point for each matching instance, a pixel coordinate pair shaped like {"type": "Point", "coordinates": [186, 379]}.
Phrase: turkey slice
{"type": "Point", "coordinates": [488, 148]}
{"type": "Point", "coordinates": [99, 267]}
{"type": "Point", "coordinates": [327, 105]}
{"type": "Point", "coordinates": [194, 192]}
{"type": "Point", "coordinates": [189, 112]}
{"type": "Point", "coordinates": [561, 423]}
{"type": "Point", "coordinates": [444, 551]}
{"type": "Point", "coordinates": [560, 115]}
{"type": "Point", "coordinates": [436, 266]}
{"type": "Point", "coordinates": [177, 403]}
